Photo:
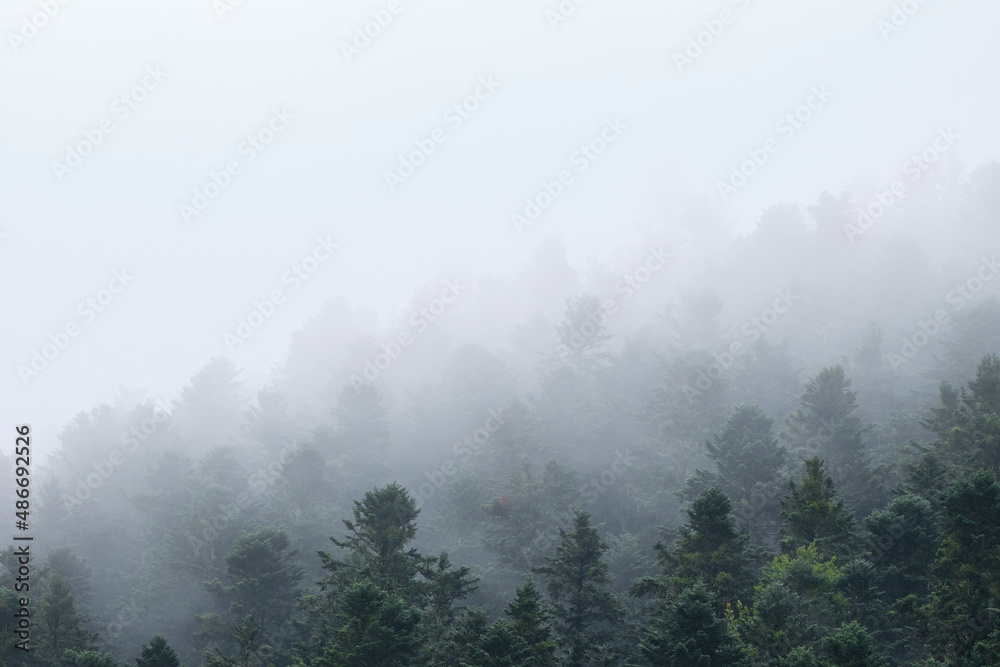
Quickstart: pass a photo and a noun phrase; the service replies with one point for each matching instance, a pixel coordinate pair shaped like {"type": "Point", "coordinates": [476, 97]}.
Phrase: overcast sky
{"type": "Point", "coordinates": [199, 78]}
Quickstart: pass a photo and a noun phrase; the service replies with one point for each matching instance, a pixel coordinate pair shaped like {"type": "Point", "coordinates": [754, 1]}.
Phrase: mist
{"type": "Point", "coordinates": [514, 279]}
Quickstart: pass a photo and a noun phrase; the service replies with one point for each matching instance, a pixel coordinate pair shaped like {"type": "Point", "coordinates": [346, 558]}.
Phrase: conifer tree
{"type": "Point", "coordinates": [157, 654]}
{"type": "Point", "coordinates": [708, 549]}
{"type": "Point", "coordinates": [813, 513]}
{"type": "Point", "coordinates": [577, 580]}
{"type": "Point", "coordinates": [531, 622]}
{"type": "Point", "coordinates": [688, 632]}
{"type": "Point", "coordinates": [826, 425]}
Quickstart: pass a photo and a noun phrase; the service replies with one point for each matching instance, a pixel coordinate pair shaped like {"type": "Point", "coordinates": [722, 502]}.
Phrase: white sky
{"type": "Point", "coordinates": [324, 174]}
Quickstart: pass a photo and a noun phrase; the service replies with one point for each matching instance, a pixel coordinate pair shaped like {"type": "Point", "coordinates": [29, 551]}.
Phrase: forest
{"type": "Point", "coordinates": [773, 448]}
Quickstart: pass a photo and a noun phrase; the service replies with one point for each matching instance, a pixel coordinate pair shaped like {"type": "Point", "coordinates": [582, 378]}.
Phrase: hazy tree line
{"type": "Point", "coordinates": [779, 452]}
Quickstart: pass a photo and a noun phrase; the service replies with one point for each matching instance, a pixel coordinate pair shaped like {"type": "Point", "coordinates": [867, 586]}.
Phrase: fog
{"type": "Point", "coordinates": [355, 238]}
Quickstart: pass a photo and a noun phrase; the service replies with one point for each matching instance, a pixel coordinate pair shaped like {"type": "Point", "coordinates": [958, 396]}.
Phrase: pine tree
{"type": "Point", "coordinates": [748, 460]}
{"type": "Point", "coordinates": [531, 622]}
{"type": "Point", "coordinates": [374, 628]}
{"type": "Point", "coordinates": [688, 632]}
{"type": "Point", "coordinates": [577, 580]}
{"type": "Point", "coordinates": [59, 624]}
{"type": "Point", "coordinates": [966, 574]}
{"type": "Point", "coordinates": [812, 513]}
{"type": "Point", "coordinates": [852, 646]}
{"type": "Point", "coordinates": [157, 654]}
{"type": "Point", "coordinates": [826, 425]}
{"type": "Point", "coordinates": [974, 439]}
{"type": "Point", "coordinates": [384, 525]}
{"type": "Point", "coordinates": [264, 578]}
{"type": "Point", "coordinates": [708, 549]}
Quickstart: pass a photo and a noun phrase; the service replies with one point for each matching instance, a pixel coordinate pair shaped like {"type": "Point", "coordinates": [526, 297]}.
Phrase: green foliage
{"type": "Point", "coordinates": [708, 549]}
{"type": "Point", "coordinates": [852, 646]}
{"type": "Point", "coordinates": [532, 624]}
{"type": "Point", "coordinates": [826, 425]}
{"type": "Point", "coordinates": [157, 654]}
{"type": "Point", "coordinates": [577, 580]}
{"type": "Point", "coordinates": [688, 632]}
{"type": "Point", "coordinates": [813, 513]}
{"type": "Point", "coordinates": [383, 526]}
{"type": "Point", "coordinates": [374, 628]}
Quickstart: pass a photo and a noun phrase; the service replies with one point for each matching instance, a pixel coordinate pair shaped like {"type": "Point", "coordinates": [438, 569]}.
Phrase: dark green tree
{"type": "Point", "coordinates": [852, 646]}
{"type": "Point", "coordinates": [577, 579]}
{"type": "Point", "coordinates": [157, 654]}
{"type": "Point", "coordinates": [688, 632]}
{"type": "Point", "coordinates": [374, 627]}
{"type": "Point", "coordinates": [966, 573]}
{"type": "Point", "coordinates": [748, 460]}
{"type": "Point", "coordinates": [59, 625]}
{"type": "Point", "coordinates": [532, 623]}
{"type": "Point", "coordinates": [384, 525]}
{"type": "Point", "coordinates": [813, 513]}
{"type": "Point", "coordinates": [709, 549]}
{"type": "Point", "coordinates": [826, 425]}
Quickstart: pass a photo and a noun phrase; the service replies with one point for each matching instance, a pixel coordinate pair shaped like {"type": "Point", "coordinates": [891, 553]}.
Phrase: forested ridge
{"type": "Point", "coordinates": [779, 448]}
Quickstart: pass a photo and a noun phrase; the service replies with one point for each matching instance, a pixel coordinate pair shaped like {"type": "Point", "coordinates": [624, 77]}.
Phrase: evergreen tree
{"type": "Point", "coordinates": [708, 549]}
{"type": "Point", "coordinates": [264, 578]}
{"type": "Point", "coordinates": [688, 632]}
{"type": "Point", "coordinates": [374, 627]}
{"type": "Point", "coordinates": [852, 646]}
{"type": "Point", "coordinates": [748, 459]}
{"type": "Point", "coordinates": [60, 626]}
{"type": "Point", "coordinates": [966, 573]}
{"type": "Point", "coordinates": [974, 438]}
{"type": "Point", "coordinates": [577, 580]}
{"type": "Point", "coordinates": [157, 654]}
{"type": "Point", "coordinates": [826, 425]}
{"type": "Point", "coordinates": [384, 525]}
{"type": "Point", "coordinates": [812, 513]}
{"type": "Point", "coordinates": [532, 623]}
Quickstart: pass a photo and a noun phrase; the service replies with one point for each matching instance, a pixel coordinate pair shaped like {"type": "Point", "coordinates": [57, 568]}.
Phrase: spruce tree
{"type": "Point", "coordinates": [157, 654]}
{"type": "Point", "coordinates": [826, 425]}
{"type": "Point", "coordinates": [813, 513]}
{"type": "Point", "coordinates": [531, 622]}
{"type": "Point", "coordinates": [709, 549]}
{"type": "Point", "coordinates": [689, 632]}
{"type": "Point", "coordinates": [577, 580]}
